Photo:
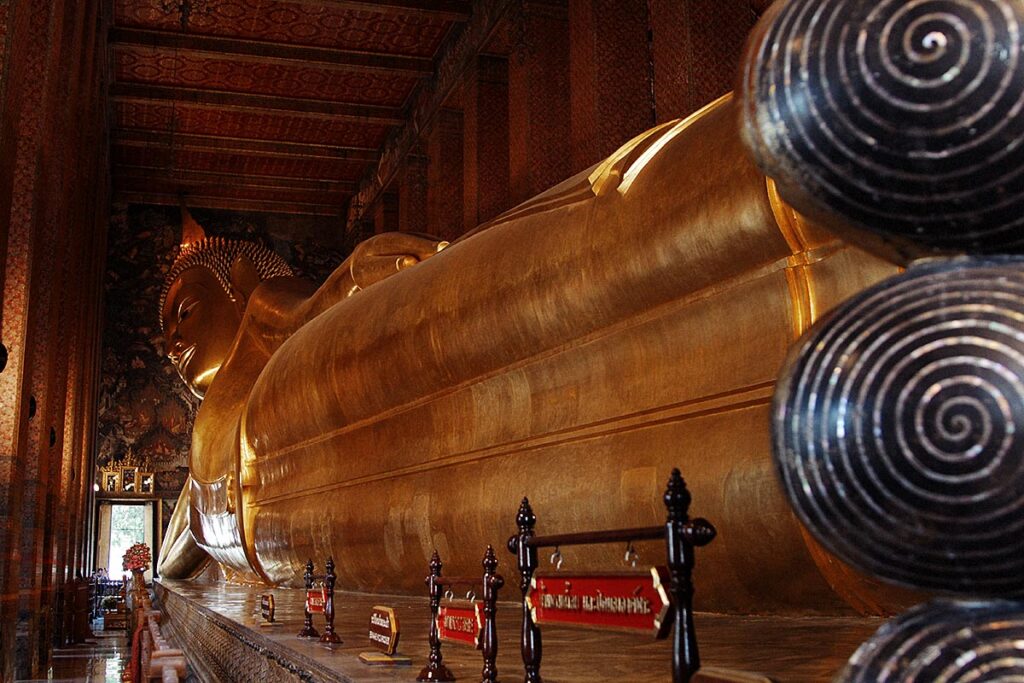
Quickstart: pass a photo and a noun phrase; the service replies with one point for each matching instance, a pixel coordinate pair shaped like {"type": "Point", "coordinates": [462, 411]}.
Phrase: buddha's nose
{"type": "Point", "coordinates": [175, 348]}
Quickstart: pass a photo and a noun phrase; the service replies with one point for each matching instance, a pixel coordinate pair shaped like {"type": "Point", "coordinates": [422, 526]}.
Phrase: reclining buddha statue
{"type": "Point", "coordinates": [629, 320]}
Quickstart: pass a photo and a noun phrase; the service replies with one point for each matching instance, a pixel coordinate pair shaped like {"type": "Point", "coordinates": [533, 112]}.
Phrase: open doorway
{"type": "Point", "coordinates": [121, 525]}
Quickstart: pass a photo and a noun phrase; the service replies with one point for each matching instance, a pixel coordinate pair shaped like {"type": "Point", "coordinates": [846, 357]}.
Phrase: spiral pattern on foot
{"type": "Point", "coordinates": [899, 428]}
{"type": "Point", "coordinates": [906, 118]}
{"type": "Point", "coordinates": [944, 642]}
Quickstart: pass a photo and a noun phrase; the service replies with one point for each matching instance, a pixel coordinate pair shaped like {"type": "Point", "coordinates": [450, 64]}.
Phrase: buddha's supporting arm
{"type": "Point", "coordinates": [373, 260]}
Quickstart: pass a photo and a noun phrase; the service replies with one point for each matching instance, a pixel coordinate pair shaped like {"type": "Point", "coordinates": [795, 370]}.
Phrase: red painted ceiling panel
{"type": "Point", "coordinates": [257, 172]}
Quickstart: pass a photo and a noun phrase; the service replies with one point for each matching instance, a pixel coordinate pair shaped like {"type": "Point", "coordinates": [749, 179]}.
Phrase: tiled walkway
{"type": "Point", "coordinates": [99, 661]}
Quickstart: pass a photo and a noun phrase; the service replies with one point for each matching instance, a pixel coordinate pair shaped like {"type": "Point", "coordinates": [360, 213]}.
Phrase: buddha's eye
{"type": "Point", "coordinates": [186, 307]}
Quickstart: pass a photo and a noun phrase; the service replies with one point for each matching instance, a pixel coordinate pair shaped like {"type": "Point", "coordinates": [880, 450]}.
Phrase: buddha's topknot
{"type": "Point", "coordinates": [218, 254]}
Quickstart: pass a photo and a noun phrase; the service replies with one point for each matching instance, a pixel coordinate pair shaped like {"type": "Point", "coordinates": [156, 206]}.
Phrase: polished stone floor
{"type": "Point", "coordinates": [101, 660]}
{"type": "Point", "coordinates": [785, 649]}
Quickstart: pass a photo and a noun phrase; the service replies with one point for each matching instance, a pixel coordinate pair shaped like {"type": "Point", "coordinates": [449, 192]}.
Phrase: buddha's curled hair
{"type": "Point", "coordinates": [218, 254]}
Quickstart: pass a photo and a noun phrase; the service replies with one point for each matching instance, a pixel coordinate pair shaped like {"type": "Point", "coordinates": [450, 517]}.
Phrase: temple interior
{"type": "Point", "coordinates": [384, 340]}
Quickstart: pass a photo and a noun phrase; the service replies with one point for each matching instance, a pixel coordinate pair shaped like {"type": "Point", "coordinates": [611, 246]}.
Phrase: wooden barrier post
{"type": "Point", "coordinates": [526, 559]}
{"type": "Point", "coordinates": [329, 636]}
{"type": "Point", "coordinates": [492, 584]}
{"type": "Point", "coordinates": [682, 536]}
{"type": "Point", "coordinates": [308, 631]}
{"type": "Point", "coordinates": [435, 670]}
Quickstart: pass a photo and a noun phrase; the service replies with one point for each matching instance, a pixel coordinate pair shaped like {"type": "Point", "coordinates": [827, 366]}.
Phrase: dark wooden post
{"type": "Point", "coordinates": [330, 577]}
{"type": "Point", "coordinates": [526, 558]}
{"type": "Point", "coordinates": [681, 536]}
{"type": "Point", "coordinates": [82, 632]}
{"type": "Point", "coordinates": [435, 670]}
{"type": "Point", "coordinates": [492, 584]}
{"type": "Point", "coordinates": [307, 629]}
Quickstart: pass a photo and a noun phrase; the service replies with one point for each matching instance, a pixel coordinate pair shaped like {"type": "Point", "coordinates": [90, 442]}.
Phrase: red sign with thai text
{"type": "Point", "coordinates": [461, 624]}
{"type": "Point", "coordinates": [634, 602]}
{"type": "Point", "coordinates": [316, 601]}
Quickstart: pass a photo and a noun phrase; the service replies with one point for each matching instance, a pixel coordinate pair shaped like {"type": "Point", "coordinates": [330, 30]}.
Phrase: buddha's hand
{"type": "Point", "coordinates": [383, 255]}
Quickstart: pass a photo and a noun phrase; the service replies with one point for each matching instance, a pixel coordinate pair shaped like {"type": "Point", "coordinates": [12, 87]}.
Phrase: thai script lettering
{"type": "Point", "coordinates": [616, 604]}
{"type": "Point", "coordinates": [608, 604]}
{"type": "Point", "coordinates": [560, 602]}
{"type": "Point", "coordinates": [380, 638]}
{"type": "Point", "coordinates": [460, 624]}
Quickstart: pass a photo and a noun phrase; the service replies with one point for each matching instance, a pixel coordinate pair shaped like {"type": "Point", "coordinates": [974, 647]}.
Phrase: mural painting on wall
{"type": "Point", "coordinates": [143, 406]}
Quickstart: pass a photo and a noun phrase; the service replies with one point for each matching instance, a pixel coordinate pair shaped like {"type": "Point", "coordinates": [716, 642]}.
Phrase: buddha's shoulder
{"type": "Point", "coordinates": [278, 303]}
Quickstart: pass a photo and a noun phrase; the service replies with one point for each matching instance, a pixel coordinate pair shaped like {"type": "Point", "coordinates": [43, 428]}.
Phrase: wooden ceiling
{"type": "Point", "coordinates": [267, 105]}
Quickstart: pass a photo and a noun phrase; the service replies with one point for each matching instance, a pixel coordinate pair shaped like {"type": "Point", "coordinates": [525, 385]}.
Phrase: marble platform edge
{"type": "Point", "coordinates": [296, 663]}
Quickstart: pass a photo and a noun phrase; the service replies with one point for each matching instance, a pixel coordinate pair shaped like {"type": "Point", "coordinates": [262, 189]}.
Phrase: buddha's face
{"type": "Point", "coordinates": [200, 321]}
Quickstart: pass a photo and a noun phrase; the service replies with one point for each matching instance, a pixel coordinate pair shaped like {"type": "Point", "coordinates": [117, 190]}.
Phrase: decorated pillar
{"type": "Point", "coordinates": [485, 137]}
{"type": "Point", "coordinates": [78, 53]}
{"type": "Point", "coordinates": [49, 188]}
{"type": "Point", "coordinates": [611, 95]}
{"type": "Point", "coordinates": [25, 302]}
{"type": "Point", "coordinates": [696, 47]}
{"type": "Point", "coordinates": [412, 193]}
{"type": "Point", "coordinates": [444, 176]}
{"type": "Point", "coordinates": [540, 153]}
{"type": "Point", "coordinates": [385, 213]}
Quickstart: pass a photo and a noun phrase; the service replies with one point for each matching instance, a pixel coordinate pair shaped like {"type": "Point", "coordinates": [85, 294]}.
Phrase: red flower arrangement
{"type": "Point", "coordinates": [137, 557]}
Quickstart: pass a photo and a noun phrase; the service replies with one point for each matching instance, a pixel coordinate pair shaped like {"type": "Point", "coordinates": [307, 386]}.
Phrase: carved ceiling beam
{"type": "Point", "coordinates": [219, 99]}
{"type": "Point", "coordinates": [206, 202]}
{"type": "Point", "coordinates": [455, 58]}
{"type": "Point", "coordinates": [264, 51]}
{"type": "Point", "coordinates": [165, 174]}
{"type": "Point", "coordinates": [139, 137]}
{"type": "Point", "coordinates": [452, 10]}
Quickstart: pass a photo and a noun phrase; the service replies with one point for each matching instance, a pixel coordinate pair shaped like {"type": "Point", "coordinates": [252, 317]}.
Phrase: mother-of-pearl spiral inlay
{"type": "Point", "coordinates": [904, 116]}
{"type": "Point", "coordinates": [944, 642]}
{"type": "Point", "coordinates": [899, 428]}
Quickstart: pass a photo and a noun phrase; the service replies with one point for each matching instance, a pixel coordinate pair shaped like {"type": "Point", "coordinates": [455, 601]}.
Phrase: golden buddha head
{"type": "Point", "coordinates": [204, 298]}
